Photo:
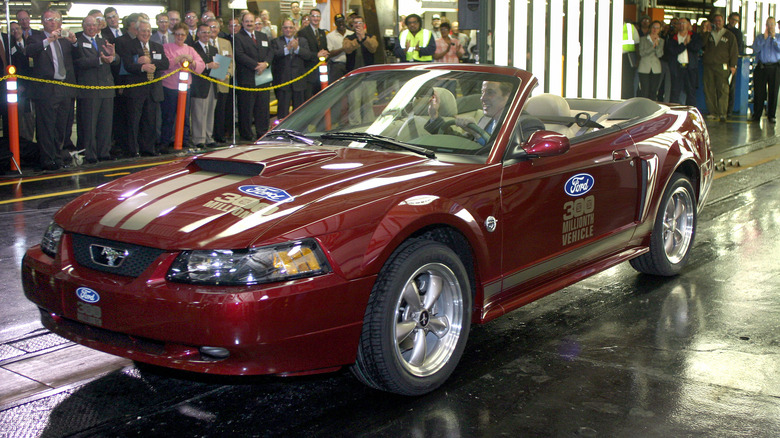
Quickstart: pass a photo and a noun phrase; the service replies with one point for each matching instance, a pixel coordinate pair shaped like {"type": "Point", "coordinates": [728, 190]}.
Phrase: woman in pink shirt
{"type": "Point", "coordinates": [448, 50]}
{"type": "Point", "coordinates": [176, 52]}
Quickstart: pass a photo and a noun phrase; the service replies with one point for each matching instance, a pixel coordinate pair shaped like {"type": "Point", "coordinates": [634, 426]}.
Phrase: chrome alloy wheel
{"type": "Point", "coordinates": [428, 319]}
{"type": "Point", "coordinates": [678, 224]}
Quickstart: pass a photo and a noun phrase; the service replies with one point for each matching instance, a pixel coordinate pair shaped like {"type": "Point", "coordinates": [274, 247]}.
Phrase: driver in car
{"type": "Point", "coordinates": [494, 98]}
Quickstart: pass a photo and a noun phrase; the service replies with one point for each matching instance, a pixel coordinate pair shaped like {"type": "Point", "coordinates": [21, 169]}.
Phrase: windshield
{"type": "Point", "coordinates": [447, 112]}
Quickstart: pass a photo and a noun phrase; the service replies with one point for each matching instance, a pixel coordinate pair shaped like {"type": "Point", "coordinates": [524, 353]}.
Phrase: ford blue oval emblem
{"type": "Point", "coordinates": [269, 193]}
{"type": "Point", "coordinates": [579, 184]}
{"type": "Point", "coordinates": [88, 295]}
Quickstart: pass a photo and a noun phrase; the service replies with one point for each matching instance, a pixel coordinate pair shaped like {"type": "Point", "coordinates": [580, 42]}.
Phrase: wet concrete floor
{"type": "Point", "coordinates": [619, 354]}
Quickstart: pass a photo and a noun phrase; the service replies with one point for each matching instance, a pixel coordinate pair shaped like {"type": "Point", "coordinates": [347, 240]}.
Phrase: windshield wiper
{"type": "Point", "coordinates": [292, 135]}
{"type": "Point", "coordinates": [379, 139]}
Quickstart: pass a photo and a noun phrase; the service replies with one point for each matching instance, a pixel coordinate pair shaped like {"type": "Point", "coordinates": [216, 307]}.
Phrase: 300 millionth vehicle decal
{"type": "Point", "coordinates": [578, 215]}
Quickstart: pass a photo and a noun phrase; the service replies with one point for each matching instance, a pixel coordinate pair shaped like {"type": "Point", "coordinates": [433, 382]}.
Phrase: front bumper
{"type": "Point", "coordinates": [288, 327]}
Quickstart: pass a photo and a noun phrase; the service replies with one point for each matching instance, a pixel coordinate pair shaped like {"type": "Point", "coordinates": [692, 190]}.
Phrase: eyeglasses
{"type": "Point", "coordinates": [163, 21]}
{"type": "Point", "coordinates": [50, 19]}
{"type": "Point", "coordinates": [355, 23]}
{"type": "Point", "coordinates": [112, 16]}
{"type": "Point", "coordinates": [179, 34]}
{"type": "Point", "coordinates": [99, 19]}
{"type": "Point", "coordinates": [214, 26]}
{"type": "Point", "coordinates": [314, 16]}
{"type": "Point", "coordinates": [188, 17]}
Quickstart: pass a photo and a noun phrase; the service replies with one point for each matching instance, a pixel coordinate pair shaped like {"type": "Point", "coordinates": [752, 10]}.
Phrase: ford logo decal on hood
{"type": "Point", "coordinates": [88, 295]}
{"type": "Point", "coordinates": [269, 193]}
{"type": "Point", "coordinates": [579, 184]}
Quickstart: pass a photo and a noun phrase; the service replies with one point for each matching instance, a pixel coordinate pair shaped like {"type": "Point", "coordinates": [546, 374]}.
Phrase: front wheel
{"type": "Point", "coordinates": [417, 320]}
{"type": "Point", "coordinates": [672, 236]}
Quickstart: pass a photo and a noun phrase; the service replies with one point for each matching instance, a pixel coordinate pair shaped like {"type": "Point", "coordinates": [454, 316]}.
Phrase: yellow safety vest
{"type": "Point", "coordinates": [422, 39]}
{"type": "Point", "coordinates": [629, 45]}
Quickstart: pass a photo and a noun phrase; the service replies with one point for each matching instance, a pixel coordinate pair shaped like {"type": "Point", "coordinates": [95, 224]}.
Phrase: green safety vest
{"type": "Point", "coordinates": [629, 45]}
{"type": "Point", "coordinates": [422, 39]}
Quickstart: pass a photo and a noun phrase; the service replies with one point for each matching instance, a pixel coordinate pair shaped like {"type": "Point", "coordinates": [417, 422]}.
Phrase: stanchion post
{"type": "Point", "coordinates": [181, 107]}
{"type": "Point", "coordinates": [13, 116]}
{"type": "Point", "coordinates": [323, 84]}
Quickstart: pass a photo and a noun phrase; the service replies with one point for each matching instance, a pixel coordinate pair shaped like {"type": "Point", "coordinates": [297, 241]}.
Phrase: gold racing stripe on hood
{"type": "Point", "coordinates": [152, 192]}
{"type": "Point", "coordinates": [253, 153]}
{"type": "Point", "coordinates": [165, 204]}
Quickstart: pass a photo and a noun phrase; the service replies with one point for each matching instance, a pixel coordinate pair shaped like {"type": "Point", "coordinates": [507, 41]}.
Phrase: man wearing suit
{"type": "Point", "coordinates": [191, 20]}
{"type": "Point", "coordinates": [121, 104]}
{"type": "Point", "coordinates": [53, 60]}
{"type": "Point", "coordinates": [494, 98]}
{"type": "Point", "coordinates": [223, 113]}
{"type": "Point", "coordinates": [26, 119]}
{"type": "Point", "coordinates": [203, 92]}
{"type": "Point", "coordinates": [24, 21]}
{"type": "Point", "coordinates": [96, 107]}
{"type": "Point", "coordinates": [163, 34]}
{"type": "Point", "coordinates": [144, 60]}
{"type": "Point", "coordinates": [112, 31]}
{"type": "Point", "coordinates": [290, 57]}
{"type": "Point", "coordinates": [316, 42]}
{"type": "Point", "coordinates": [253, 56]}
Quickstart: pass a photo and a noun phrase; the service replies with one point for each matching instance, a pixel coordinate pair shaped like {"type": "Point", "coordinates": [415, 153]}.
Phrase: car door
{"type": "Point", "coordinates": [561, 213]}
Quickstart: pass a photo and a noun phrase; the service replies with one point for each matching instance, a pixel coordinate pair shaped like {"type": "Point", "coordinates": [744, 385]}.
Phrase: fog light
{"type": "Point", "coordinates": [216, 352]}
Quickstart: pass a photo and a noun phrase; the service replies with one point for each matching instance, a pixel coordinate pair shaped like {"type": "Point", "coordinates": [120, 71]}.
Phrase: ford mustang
{"type": "Point", "coordinates": [373, 226]}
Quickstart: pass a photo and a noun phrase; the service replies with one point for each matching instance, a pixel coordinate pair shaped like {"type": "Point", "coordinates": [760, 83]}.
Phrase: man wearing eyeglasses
{"type": "Point", "coordinates": [52, 56]}
{"type": "Point", "coordinates": [163, 34]}
{"type": "Point", "coordinates": [290, 56]}
{"type": "Point", "coordinates": [314, 39]}
{"type": "Point", "coordinates": [253, 56]}
{"type": "Point", "coordinates": [191, 20]}
{"type": "Point", "coordinates": [145, 61]}
{"type": "Point", "coordinates": [174, 18]}
{"type": "Point", "coordinates": [112, 31]}
{"type": "Point", "coordinates": [24, 22]}
{"type": "Point", "coordinates": [415, 44]}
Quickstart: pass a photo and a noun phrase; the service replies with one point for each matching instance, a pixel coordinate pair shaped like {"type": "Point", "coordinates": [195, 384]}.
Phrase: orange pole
{"type": "Point", "coordinates": [13, 116]}
{"type": "Point", "coordinates": [323, 84]}
{"type": "Point", "coordinates": [181, 107]}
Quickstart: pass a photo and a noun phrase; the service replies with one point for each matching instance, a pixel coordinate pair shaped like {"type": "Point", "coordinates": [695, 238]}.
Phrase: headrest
{"type": "Point", "coordinates": [548, 105]}
{"type": "Point", "coordinates": [448, 107]}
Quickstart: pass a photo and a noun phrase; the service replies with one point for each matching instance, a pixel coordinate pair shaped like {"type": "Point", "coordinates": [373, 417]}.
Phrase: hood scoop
{"type": "Point", "coordinates": [241, 168]}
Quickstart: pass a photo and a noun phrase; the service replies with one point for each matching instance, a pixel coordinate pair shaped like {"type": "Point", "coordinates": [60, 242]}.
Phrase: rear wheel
{"type": "Point", "coordinates": [673, 231]}
{"type": "Point", "coordinates": [417, 320]}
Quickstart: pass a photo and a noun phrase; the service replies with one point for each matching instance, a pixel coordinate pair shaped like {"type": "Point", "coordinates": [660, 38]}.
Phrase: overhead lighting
{"type": "Point", "coordinates": [82, 9]}
{"type": "Point", "coordinates": [719, 3]}
{"type": "Point", "coordinates": [237, 4]}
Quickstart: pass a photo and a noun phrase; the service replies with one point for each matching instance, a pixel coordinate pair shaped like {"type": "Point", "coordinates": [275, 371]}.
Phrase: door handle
{"type": "Point", "coordinates": [620, 155]}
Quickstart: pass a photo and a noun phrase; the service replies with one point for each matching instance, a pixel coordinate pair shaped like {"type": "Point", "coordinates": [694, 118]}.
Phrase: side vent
{"type": "Point", "coordinates": [242, 168]}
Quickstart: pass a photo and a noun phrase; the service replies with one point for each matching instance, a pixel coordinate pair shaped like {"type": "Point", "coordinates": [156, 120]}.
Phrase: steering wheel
{"type": "Point", "coordinates": [472, 126]}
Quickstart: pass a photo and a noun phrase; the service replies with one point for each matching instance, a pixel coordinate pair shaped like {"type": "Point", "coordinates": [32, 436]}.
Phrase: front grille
{"type": "Point", "coordinates": [138, 257]}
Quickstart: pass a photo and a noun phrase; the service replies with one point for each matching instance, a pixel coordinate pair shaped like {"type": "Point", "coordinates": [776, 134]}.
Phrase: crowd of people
{"type": "Point", "coordinates": [138, 116]}
{"type": "Point", "coordinates": [666, 58]}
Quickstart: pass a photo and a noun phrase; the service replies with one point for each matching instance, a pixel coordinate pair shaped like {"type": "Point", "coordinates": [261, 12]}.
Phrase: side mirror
{"type": "Point", "coordinates": [542, 144]}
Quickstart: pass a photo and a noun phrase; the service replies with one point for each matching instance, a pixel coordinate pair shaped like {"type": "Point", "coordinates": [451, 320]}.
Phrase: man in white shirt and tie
{"type": "Point", "coordinates": [494, 98]}
{"type": "Point", "coordinates": [163, 34]}
{"type": "Point", "coordinates": [112, 30]}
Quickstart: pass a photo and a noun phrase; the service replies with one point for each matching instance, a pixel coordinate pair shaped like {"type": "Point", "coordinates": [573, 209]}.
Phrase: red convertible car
{"type": "Point", "coordinates": [373, 227]}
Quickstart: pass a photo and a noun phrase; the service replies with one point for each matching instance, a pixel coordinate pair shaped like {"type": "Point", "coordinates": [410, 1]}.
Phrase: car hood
{"type": "Point", "coordinates": [229, 198]}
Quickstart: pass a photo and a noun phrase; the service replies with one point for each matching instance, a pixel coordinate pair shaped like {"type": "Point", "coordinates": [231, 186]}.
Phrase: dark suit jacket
{"type": "Point", "coordinates": [314, 43]}
{"type": "Point", "coordinates": [43, 67]}
{"type": "Point", "coordinates": [121, 45]}
{"type": "Point", "coordinates": [200, 86]}
{"type": "Point", "coordinates": [287, 67]}
{"type": "Point", "coordinates": [108, 35]}
{"type": "Point", "coordinates": [89, 69]}
{"type": "Point", "coordinates": [674, 48]}
{"type": "Point", "coordinates": [130, 54]}
{"type": "Point", "coordinates": [247, 54]}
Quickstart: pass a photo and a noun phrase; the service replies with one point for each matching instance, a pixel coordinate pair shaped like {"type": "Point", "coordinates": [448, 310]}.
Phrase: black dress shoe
{"type": "Point", "coordinates": [754, 119]}
{"type": "Point", "coordinates": [212, 145]}
{"type": "Point", "coordinates": [50, 166]}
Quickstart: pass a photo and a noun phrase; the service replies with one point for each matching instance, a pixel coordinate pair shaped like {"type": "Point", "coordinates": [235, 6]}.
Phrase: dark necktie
{"type": "Point", "coordinates": [60, 61]}
{"type": "Point", "coordinates": [253, 38]}
{"type": "Point", "coordinates": [164, 39]}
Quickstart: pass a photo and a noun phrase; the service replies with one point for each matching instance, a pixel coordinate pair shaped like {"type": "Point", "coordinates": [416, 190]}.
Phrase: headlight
{"type": "Point", "coordinates": [267, 264]}
{"type": "Point", "coordinates": [51, 240]}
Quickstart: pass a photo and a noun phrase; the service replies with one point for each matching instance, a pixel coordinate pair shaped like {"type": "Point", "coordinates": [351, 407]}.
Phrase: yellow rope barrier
{"type": "Point", "coordinates": [112, 87]}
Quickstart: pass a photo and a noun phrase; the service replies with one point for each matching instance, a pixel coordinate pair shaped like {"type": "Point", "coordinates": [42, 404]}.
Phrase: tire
{"type": "Point", "coordinates": [417, 320]}
{"type": "Point", "coordinates": [675, 227]}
